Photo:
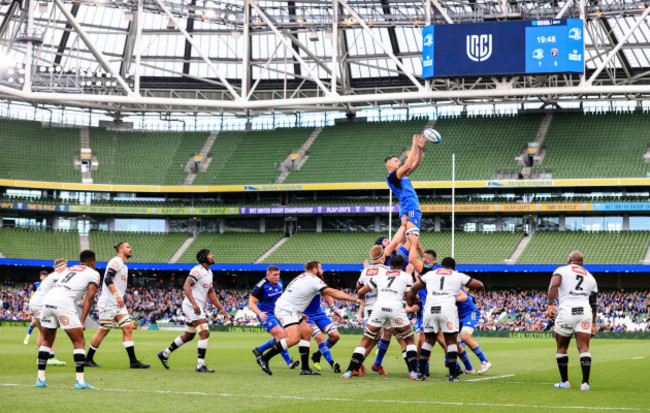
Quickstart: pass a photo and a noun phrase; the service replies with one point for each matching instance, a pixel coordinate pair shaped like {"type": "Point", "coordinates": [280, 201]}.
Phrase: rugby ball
{"type": "Point", "coordinates": [432, 135]}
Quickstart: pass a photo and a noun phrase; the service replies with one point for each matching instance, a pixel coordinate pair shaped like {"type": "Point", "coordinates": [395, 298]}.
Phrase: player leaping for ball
{"type": "Point", "coordinates": [399, 182]}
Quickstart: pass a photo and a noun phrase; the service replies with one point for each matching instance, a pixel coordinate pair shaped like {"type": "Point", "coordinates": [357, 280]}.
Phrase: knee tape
{"type": "Point", "coordinates": [105, 324]}
{"type": "Point", "coordinates": [330, 328]}
{"type": "Point", "coordinates": [124, 321]}
{"type": "Point", "coordinates": [413, 231]}
{"type": "Point", "coordinates": [371, 335]}
{"type": "Point", "coordinates": [190, 329]}
{"type": "Point", "coordinates": [405, 334]}
{"type": "Point", "coordinates": [202, 327]}
{"type": "Point", "coordinates": [315, 331]}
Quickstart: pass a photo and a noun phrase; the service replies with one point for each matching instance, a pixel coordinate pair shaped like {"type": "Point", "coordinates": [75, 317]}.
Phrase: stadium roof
{"type": "Point", "coordinates": [252, 56]}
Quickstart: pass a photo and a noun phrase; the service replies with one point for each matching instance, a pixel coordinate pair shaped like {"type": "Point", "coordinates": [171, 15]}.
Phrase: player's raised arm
{"type": "Point", "coordinates": [408, 166]}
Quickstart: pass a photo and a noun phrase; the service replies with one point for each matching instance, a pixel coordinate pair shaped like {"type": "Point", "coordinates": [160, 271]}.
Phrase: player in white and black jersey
{"type": "Point", "coordinates": [59, 311]}
{"type": "Point", "coordinates": [440, 312]}
{"type": "Point", "coordinates": [36, 304]}
{"type": "Point", "coordinates": [112, 309]}
{"type": "Point", "coordinates": [391, 285]}
{"type": "Point", "coordinates": [198, 289]}
{"type": "Point", "coordinates": [576, 291]}
{"type": "Point", "coordinates": [289, 311]}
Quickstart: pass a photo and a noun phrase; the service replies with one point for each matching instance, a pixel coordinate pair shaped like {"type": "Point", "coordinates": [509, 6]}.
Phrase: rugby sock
{"type": "Point", "coordinates": [79, 356]}
{"type": "Point", "coordinates": [286, 356]}
{"type": "Point", "coordinates": [30, 329]}
{"type": "Point", "coordinates": [457, 363]}
{"type": "Point", "coordinates": [425, 352]}
{"type": "Point", "coordinates": [412, 357]}
{"type": "Point", "coordinates": [173, 346]}
{"type": "Point", "coordinates": [464, 357]}
{"type": "Point", "coordinates": [51, 353]}
{"type": "Point", "coordinates": [130, 349]}
{"type": "Point", "coordinates": [382, 348]}
{"type": "Point", "coordinates": [43, 355]}
{"type": "Point", "coordinates": [452, 354]}
{"type": "Point", "coordinates": [585, 362]}
{"type": "Point", "coordinates": [357, 359]}
{"type": "Point", "coordinates": [91, 352]}
{"type": "Point", "coordinates": [329, 343]}
{"type": "Point", "coordinates": [267, 345]}
{"type": "Point", "coordinates": [278, 348]}
{"type": "Point", "coordinates": [563, 365]}
{"type": "Point", "coordinates": [202, 347]}
{"type": "Point", "coordinates": [303, 348]}
{"type": "Point", "coordinates": [325, 351]}
{"type": "Point", "coordinates": [316, 356]}
{"type": "Point", "coordinates": [405, 357]}
{"type": "Point", "coordinates": [479, 354]}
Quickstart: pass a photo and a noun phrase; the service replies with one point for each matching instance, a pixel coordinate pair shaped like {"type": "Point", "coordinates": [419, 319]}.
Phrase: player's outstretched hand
{"type": "Point", "coordinates": [420, 141]}
{"type": "Point", "coordinates": [263, 317]}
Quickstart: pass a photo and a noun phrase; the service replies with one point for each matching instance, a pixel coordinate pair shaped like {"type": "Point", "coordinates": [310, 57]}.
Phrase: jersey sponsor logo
{"type": "Point", "coordinates": [393, 273]}
{"type": "Point", "coordinates": [77, 268]}
{"type": "Point", "coordinates": [387, 309]}
{"type": "Point", "coordinates": [372, 271]}
{"type": "Point", "coordinates": [194, 273]}
{"type": "Point", "coordinates": [450, 325]}
{"type": "Point", "coordinates": [399, 321]}
{"type": "Point", "coordinates": [586, 325]}
{"type": "Point", "coordinates": [435, 310]}
{"type": "Point", "coordinates": [444, 272]}
{"type": "Point", "coordinates": [579, 270]}
{"type": "Point", "coordinates": [206, 286]}
{"type": "Point", "coordinates": [115, 265]}
{"type": "Point", "coordinates": [124, 278]}
{"type": "Point", "coordinates": [64, 320]}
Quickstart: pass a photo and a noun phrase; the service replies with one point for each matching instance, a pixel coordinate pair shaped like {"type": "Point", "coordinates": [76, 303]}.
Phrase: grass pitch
{"type": "Point", "coordinates": [520, 380]}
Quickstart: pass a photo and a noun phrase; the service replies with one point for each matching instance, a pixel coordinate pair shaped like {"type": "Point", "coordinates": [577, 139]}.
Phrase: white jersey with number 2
{"type": "Point", "coordinates": [576, 286]}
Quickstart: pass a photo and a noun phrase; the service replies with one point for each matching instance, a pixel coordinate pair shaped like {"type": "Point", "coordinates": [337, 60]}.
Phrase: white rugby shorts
{"type": "Point", "coordinates": [388, 316]}
{"type": "Point", "coordinates": [573, 319]}
{"type": "Point", "coordinates": [440, 318]}
{"type": "Point", "coordinates": [64, 315]}
{"type": "Point", "coordinates": [190, 315]}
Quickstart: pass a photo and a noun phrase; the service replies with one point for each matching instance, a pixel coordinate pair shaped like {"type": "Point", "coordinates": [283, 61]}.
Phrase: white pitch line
{"type": "Point", "coordinates": [337, 399]}
{"type": "Point", "coordinates": [491, 378]}
{"type": "Point", "coordinates": [637, 358]}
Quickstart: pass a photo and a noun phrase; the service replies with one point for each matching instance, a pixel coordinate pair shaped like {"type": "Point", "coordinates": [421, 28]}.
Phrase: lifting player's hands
{"type": "Point", "coordinates": [419, 140]}
{"type": "Point", "coordinates": [550, 310]}
{"type": "Point", "coordinates": [404, 219]}
{"type": "Point", "coordinates": [263, 316]}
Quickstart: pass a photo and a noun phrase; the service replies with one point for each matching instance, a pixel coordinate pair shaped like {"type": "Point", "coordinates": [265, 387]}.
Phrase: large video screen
{"type": "Point", "coordinates": [514, 47]}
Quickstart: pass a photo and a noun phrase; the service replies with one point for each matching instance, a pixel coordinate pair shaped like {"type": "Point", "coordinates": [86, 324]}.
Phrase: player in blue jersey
{"type": "Point", "coordinates": [320, 323]}
{"type": "Point", "coordinates": [399, 182]}
{"type": "Point", "coordinates": [32, 324]}
{"type": "Point", "coordinates": [468, 316]}
{"type": "Point", "coordinates": [262, 303]}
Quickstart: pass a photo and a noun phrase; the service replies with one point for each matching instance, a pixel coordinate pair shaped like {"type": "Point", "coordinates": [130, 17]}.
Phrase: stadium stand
{"type": "Point", "coordinates": [625, 247]}
{"type": "Point", "coordinates": [147, 247]}
{"type": "Point", "coordinates": [251, 157]}
{"type": "Point", "coordinates": [595, 146]}
{"type": "Point", "coordinates": [43, 244]}
{"type": "Point", "coordinates": [143, 157]}
{"type": "Point", "coordinates": [48, 157]}
{"type": "Point", "coordinates": [483, 146]}
{"type": "Point", "coordinates": [352, 248]}
{"type": "Point", "coordinates": [355, 152]}
{"type": "Point", "coordinates": [231, 247]}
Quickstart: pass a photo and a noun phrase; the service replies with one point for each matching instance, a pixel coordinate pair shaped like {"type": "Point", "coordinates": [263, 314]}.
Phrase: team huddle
{"type": "Point", "coordinates": [400, 278]}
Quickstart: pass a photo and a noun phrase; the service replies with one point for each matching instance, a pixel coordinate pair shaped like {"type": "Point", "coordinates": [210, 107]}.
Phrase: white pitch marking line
{"type": "Point", "coordinates": [336, 399]}
{"type": "Point", "coordinates": [491, 378]}
{"type": "Point", "coordinates": [637, 358]}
